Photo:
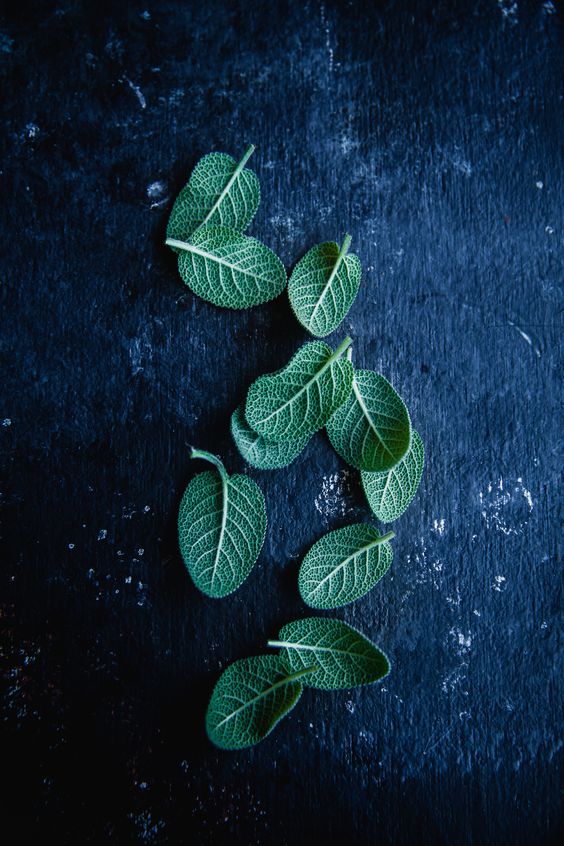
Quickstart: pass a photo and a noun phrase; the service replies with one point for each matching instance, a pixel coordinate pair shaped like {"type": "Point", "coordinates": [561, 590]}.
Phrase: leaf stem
{"type": "Point", "coordinates": [180, 245]}
{"type": "Point", "coordinates": [341, 348]}
{"type": "Point", "coordinates": [299, 673]}
{"type": "Point", "coordinates": [386, 537]}
{"type": "Point", "coordinates": [213, 459]}
{"type": "Point", "coordinates": [345, 248]}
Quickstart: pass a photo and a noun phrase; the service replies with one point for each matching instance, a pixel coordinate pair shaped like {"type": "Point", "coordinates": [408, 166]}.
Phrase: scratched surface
{"type": "Point", "coordinates": [431, 132]}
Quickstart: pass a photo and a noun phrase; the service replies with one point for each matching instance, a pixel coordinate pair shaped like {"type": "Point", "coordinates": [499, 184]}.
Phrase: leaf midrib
{"type": "Point", "coordinates": [366, 413]}
{"type": "Point", "coordinates": [275, 686]}
{"type": "Point", "coordinates": [190, 248]}
{"type": "Point", "coordinates": [248, 152]}
{"type": "Point", "coordinates": [376, 542]}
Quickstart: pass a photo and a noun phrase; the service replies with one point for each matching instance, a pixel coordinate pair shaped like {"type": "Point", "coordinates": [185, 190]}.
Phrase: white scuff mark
{"type": "Point", "coordinates": [31, 131]}
{"type": "Point", "coordinates": [463, 642]}
{"type": "Point", "coordinates": [6, 422]}
{"type": "Point", "coordinates": [454, 679]}
{"type": "Point", "coordinates": [525, 492]}
{"type": "Point", "coordinates": [331, 501]}
{"type": "Point", "coordinates": [432, 742]}
{"type": "Point", "coordinates": [527, 338]}
{"type": "Point", "coordinates": [71, 545]}
{"type": "Point", "coordinates": [539, 185]}
{"type": "Point", "coordinates": [102, 534]}
{"type": "Point", "coordinates": [509, 10]}
{"type": "Point", "coordinates": [477, 613]}
{"type": "Point", "coordinates": [499, 583]}
{"type": "Point", "coordinates": [454, 601]}
{"type": "Point", "coordinates": [137, 91]}
{"type": "Point", "coordinates": [462, 166]}
{"type": "Point", "coordinates": [544, 625]}
{"type": "Point", "coordinates": [439, 526]}
{"type": "Point", "coordinates": [549, 230]}
{"type": "Point", "coordinates": [156, 192]}
{"type": "Point", "coordinates": [146, 509]}
{"type": "Point", "coordinates": [349, 705]}
{"type": "Point", "coordinates": [140, 551]}
{"type": "Point", "coordinates": [499, 500]}
{"type": "Point", "coordinates": [127, 580]}
{"type": "Point", "coordinates": [549, 8]}
{"type": "Point", "coordinates": [327, 32]}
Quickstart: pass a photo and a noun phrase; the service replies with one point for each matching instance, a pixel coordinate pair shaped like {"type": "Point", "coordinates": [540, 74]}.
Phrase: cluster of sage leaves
{"type": "Point", "coordinates": [222, 518]}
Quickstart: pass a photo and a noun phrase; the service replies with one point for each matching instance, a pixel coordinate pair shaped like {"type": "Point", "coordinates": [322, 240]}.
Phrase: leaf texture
{"type": "Point", "coordinates": [372, 430]}
{"type": "Point", "coordinates": [220, 192]}
{"type": "Point", "coordinates": [343, 565]}
{"type": "Point", "coordinates": [344, 656]}
{"type": "Point", "coordinates": [229, 269]}
{"type": "Point", "coordinates": [299, 399]}
{"type": "Point", "coordinates": [221, 528]}
{"type": "Point", "coordinates": [390, 493]}
{"type": "Point", "coordinates": [323, 287]}
{"type": "Point", "coordinates": [251, 696]}
{"type": "Point", "coordinates": [259, 451]}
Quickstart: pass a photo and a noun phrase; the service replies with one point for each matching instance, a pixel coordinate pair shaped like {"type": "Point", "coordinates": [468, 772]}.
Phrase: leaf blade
{"type": "Point", "coordinates": [259, 451]}
{"type": "Point", "coordinates": [390, 493]}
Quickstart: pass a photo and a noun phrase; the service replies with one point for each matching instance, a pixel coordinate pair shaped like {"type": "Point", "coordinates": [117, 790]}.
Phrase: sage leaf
{"type": "Point", "coordinates": [323, 286]}
{"type": "Point", "coordinates": [389, 493]}
{"type": "Point", "coordinates": [345, 657]}
{"type": "Point", "coordinates": [220, 192]}
{"type": "Point", "coordinates": [343, 565]}
{"type": "Point", "coordinates": [300, 398]}
{"type": "Point", "coordinates": [229, 269]}
{"type": "Point", "coordinates": [371, 430]}
{"type": "Point", "coordinates": [251, 696]}
{"type": "Point", "coordinates": [221, 528]}
{"type": "Point", "coordinates": [259, 451]}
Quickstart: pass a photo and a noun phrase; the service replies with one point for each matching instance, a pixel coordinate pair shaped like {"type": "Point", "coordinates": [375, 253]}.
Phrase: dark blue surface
{"type": "Point", "coordinates": [432, 132]}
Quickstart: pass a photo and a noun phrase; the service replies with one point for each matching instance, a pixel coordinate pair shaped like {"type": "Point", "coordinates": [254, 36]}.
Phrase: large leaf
{"type": "Point", "coordinates": [299, 399]}
{"type": "Point", "coordinates": [250, 697]}
{"type": "Point", "coordinates": [221, 528]}
{"type": "Point", "coordinates": [372, 430]}
{"type": "Point", "coordinates": [220, 191]}
{"type": "Point", "coordinates": [344, 656]}
{"type": "Point", "coordinates": [323, 286]}
{"type": "Point", "coordinates": [344, 565]}
{"type": "Point", "coordinates": [229, 269]}
{"type": "Point", "coordinates": [259, 451]}
{"type": "Point", "coordinates": [390, 493]}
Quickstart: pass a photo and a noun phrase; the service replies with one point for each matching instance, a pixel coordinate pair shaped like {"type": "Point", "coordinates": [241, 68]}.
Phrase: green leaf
{"type": "Point", "coordinates": [344, 565]}
{"type": "Point", "coordinates": [390, 493]}
{"type": "Point", "coordinates": [259, 451]}
{"type": "Point", "coordinates": [220, 192]}
{"type": "Point", "coordinates": [345, 657]}
{"type": "Point", "coordinates": [299, 399]}
{"type": "Point", "coordinates": [251, 696]}
{"type": "Point", "coordinates": [372, 430]}
{"type": "Point", "coordinates": [229, 269]}
{"type": "Point", "coordinates": [221, 528]}
{"type": "Point", "coordinates": [323, 286]}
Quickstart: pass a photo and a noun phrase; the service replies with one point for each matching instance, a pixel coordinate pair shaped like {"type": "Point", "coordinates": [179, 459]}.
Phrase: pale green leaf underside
{"type": "Point", "coordinates": [390, 493]}
{"type": "Point", "coordinates": [299, 399]}
{"type": "Point", "coordinates": [250, 697]}
{"type": "Point", "coordinates": [229, 269]}
{"type": "Point", "coordinates": [342, 566]}
{"type": "Point", "coordinates": [320, 297]}
{"type": "Point", "coordinates": [371, 430]}
{"type": "Point", "coordinates": [217, 195]}
{"type": "Point", "coordinates": [345, 658]}
{"type": "Point", "coordinates": [259, 451]}
{"type": "Point", "coordinates": [221, 529]}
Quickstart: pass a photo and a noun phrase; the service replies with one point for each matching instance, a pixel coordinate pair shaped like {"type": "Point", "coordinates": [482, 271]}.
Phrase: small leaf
{"type": "Point", "coordinates": [345, 657]}
{"type": "Point", "coordinates": [251, 696]}
{"type": "Point", "coordinates": [259, 451]}
{"type": "Point", "coordinates": [299, 399]}
{"type": "Point", "coordinates": [371, 430]}
{"type": "Point", "coordinates": [390, 493]}
{"type": "Point", "coordinates": [323, 286]}
{"type": "Point", "coordinates": [221, 528]}
{"type": "Point", "coordinates": [229, 269]}
{"type": "Point", "coordinates": [220, 192]}
{"type": "Point", "coordinates": [344, 565]}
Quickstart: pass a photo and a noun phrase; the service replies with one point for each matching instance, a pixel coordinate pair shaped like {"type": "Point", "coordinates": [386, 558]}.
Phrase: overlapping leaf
{"type": "Point", "coordinates": [343, 565]}
{"type": "Point", "coordinates": [259, 451]}
{"type": "Point", "coordinates": [220, 192]}
{"type": "Point", "coordinates": [229, 269]}
{"type": "Point", "coordinates": [371, 430]}
{"type": "Point", "coordinates": [299, 399]}
{"type": "Point", "coordinates": [250, 698]}
{"type": "Point", "coordinates": [390, 493]}
{"type": "Point", "coordinates": [345, 658]}
{"type": "Point", "coordinates": [221, 528]}
{"type": "Point", "coordinates": [323, 286]}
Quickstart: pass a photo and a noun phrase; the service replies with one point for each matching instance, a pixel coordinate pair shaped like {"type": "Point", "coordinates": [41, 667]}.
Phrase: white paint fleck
{"type": "Point", "coordinates": [71, 545]}
{"type": "Point", "coordinates": [138, 93]}
{"type": "Point", "coordinates": [463, 642]}
{"type": "Point", "coordinates": [549, 230]}
{"type": "Point", "coordinates": [549, 8]}
{"type": "Point", "coordinates": [503, 503]}
{"type": "Point", "coordinates": [31, 131]}
{"type": "Point", "coordinates": [509, 10]}
{"type": "Point", "coordinates": [6, 43]}
{"type": "Point", "coordinates": [90, 573]}
{"type": "Point", "coordinates": [6, 422]}
{"type": "Point", "coordinates": [477, 613]}
{"type": "Point", "coordinates": [454, 679]}
{"type": "Point", "coordinates": [499, 583]}
{"type": "Point", "coordinates": [331, 502]}
{"type": "Point", "coordinates": [102, 534]}
{"type": "Point", "coordinates": [127, 580]}
{"type": "Point", "coordinates": [146, 509]}
{"type": "Point", "coordinates": [349, 705]}
{"type": "Point", "coordinates": [527, 338]}
{"type": "Point", "coordinates": [544, 625]}
{"type": "Point", "coordinates": [539, 185]}
{"type": "Point", "coordinates": [439, 526]}
{"type": "Point", "coordinates": [145, 15]}
{"type": "Point", "coordinates": [140, 551]}
{"type": "Point", "coordinates": [156, 191]}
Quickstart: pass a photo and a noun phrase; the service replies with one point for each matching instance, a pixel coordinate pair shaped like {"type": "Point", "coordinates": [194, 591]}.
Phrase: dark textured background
{"type": "Point", "coordinates": [432, 132]}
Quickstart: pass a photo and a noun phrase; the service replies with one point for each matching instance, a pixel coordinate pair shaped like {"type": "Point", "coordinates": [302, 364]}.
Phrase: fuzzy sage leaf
{"type": "Point", "coordinates": [343, 565]}
{"type": "Point", "coordinates": [259, 451]}
{"type": "Point", "coordinates": [323, 286]}
{"type": "Point", "coordinates": [345, 657]}
{"type": "Point", "coordinates": [251, 696]}
{"type": "Point", "coordinates": [221, 528]}
{"type": "Point", "coordinates": [220, 192]}
{"type": "Point", "coordinates": [389, 493]}
{"type": "Point", "coordinates": [299, 399]}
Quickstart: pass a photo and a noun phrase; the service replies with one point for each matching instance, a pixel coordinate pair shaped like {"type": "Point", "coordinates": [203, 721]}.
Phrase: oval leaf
{"type": "Point", "coordinates": [250, 697]}
{"type": "Point", "coordinates": [372, 430]}
{"type": "Point", "coordinates": [299, 399]}
{"type": "Point", "coordinates": [220, 192]}
{"type": "Point", "coordinates": [390, 493]}
{"type": "Point", "coordinates": [259, 451]}
{"type": "Point", "coordinates": [229, 269]}
{"type": "Point", "coordinates": [344, 565]}
{"type": "Point", "coordinates": [323, 286]}
{"type": "Point", "coordinates": [345, 657]}
{"type": "Point", "coordinates": [221, 528]}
